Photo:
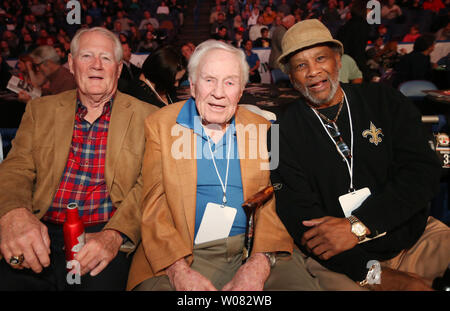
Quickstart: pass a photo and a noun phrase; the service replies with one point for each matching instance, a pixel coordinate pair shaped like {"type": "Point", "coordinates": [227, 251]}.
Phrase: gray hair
{"type": "Point", "coordinates": [75, 43]}
{"type": "Point", "coordinates": [45, 53]}
{"type": "Point", "coordinates": [202, 49]}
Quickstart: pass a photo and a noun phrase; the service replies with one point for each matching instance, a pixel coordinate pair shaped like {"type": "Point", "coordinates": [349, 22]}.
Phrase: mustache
{"type": "Point", "coordinates": [315, 102]}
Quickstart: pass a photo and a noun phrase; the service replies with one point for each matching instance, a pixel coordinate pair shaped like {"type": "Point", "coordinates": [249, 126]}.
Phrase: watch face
{"type": "Point", "coordinates": [359, 229]}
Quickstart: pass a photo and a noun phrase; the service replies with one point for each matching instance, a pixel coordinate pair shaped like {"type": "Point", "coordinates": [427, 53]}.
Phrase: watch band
{"type": "Point", "coordinates": [353, 219]}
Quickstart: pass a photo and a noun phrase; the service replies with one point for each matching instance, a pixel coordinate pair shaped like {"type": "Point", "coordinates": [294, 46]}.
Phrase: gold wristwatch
{"type": "Point", "coordinates": [358, 228]}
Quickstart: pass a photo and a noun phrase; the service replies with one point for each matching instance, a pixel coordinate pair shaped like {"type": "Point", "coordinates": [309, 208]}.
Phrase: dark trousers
{"type": "Point", "coordinates": [55, 277]}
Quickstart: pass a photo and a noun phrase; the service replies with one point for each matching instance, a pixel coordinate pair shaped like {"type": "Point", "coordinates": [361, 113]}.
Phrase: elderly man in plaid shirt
{"type": "Point", "coordinates": [83, 146]}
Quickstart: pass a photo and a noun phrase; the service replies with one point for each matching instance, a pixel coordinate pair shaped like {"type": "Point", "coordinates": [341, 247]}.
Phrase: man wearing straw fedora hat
{"type": "Point", "coordinates": [355, 175]}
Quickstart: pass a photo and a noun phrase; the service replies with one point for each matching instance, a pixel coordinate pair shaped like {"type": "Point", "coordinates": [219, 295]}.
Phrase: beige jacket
{"type": "Point", "coordinates": [31, 173]}
{"type": "Point", "coordinates": [169, 192]}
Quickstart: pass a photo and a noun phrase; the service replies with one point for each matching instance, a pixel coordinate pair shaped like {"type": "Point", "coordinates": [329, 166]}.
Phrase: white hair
{"type": "Point", "coordinates": [75, 43]}
{"type": "Point", "coordinates": [202, 49]}
{"type": "Point", "coordinates": [45, 53]}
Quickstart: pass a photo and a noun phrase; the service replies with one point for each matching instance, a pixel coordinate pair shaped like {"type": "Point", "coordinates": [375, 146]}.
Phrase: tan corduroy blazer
{"type": "Point", "coordinates": [31, 173]}
{"type": "Point", "coordinates": [169, 191]}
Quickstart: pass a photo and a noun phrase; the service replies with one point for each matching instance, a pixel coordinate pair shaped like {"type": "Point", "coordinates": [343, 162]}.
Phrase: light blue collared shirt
{"type": "Point", "coordinates": [209, 188]}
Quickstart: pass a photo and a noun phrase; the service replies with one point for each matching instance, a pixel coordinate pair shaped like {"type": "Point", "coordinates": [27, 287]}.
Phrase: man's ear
{"type": "Point", "coordinates": [120, 69]}
{"type": "Point", "coordinates": [191, 88]}
{"type": "Point", "coordinates": [338, 60]}
{"type": "Point", "coordinates": [70, 60]}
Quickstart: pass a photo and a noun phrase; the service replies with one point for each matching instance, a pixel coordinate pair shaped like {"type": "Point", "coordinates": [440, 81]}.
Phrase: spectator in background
{"type": "Point", "coordinates": [246, 12]}
{"type": "Point", "coordinates": [349, 72]}
{"type": "Point", "coordinates": [88, 22]}
{"type": "Point", "coordinates": [253, 18]}
{"type": "Point", "coordinates": [118, 28]}
{"type": "Point", "coordinates": [238, 39]}
{"type": "Point", "coordinates": [238, 23]}
{"type": "Point", "coordinates": [13, 42]}
{"type": "Point", "coordinates": [95, 11]}
{"type": "Point", "coordinates": [253, 62]}
{"type": "Point", "coordinates": [149, 43]}
{"type": "Point", "coordinates": [417, 64]}
{"type": "Point", "coordinates": [330, 17]}
{"type": "Point", "coordinates": [37, 8]}
{"type": "Point", "coordinates": [26, 43]}
{"type": "Point", "coordinates": [161, 74]}
{"type": "Point", "coordinates": [268, 16]}
{"type": "Point", "coordinates": [130, 71]}
{"type": "Point", "coordinates": [57, 77]}
{"type": "Point", "coordinates": [222, 34]}
{"type": "Point", "coordinates": [382, 32]}
{"type": "Point", "coordinates": [284, 8]}
{"type": "Point", "coordinates": [124, 21]}
{"type": "Point", "coordinates": [52, 27]}
{"type": "Point", "coordinates": [214, 16]}
{"type": "Point", "coordinates": [163, 9]}
{"type": "Point", "coordinates": [412, 35]}
{"type": "Point", "coordinates": [186, 50]}
{"type": "Point", "coordinates": [343, 10]}
{"type": "Point", "coordinates": [443, 34]}
{"type": "Point", "coordinates": [264, 41]}
{"type": "Point", "coordinates": [390, 11]}
{"type": "Point", "coordinates": [62, 53]}
{"type": "Point", "coordinates": [43, 37]}
{"type": "Point", "coordinates": [22, 68]}
{"type": "Point", "coordinates": [5, 51]}
{"type": "Point", "coordinates": [286, 23]}
{"type": "Point", "coordinates": [354, 35]}
{"type": "Point", "coordinates": [148, 19]}
{"type": "Point", "coordinates": [134, 38]}
{"type": "Point", "coordinates": [255, 31]}
{"type": "Point", "coordinates": [218, 23]}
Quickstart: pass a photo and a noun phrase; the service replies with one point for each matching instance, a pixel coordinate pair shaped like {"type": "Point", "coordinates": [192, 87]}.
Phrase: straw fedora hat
{"type": "Point", "coordinates": [302, 35]}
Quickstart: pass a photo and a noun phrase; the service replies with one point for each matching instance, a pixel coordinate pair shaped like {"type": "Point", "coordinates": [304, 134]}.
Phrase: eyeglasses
{"type": "Point", "coordinates": [40, 63]}
{"type": "Point", "coordinates": [336, 134]}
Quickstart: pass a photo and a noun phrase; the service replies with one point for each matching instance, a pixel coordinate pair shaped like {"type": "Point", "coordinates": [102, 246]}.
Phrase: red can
{"type": "Point", "coordinates": [73, 228]}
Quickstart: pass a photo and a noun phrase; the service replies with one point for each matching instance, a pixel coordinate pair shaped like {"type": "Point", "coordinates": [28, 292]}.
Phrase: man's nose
{"type": "Point", "coordinates": [218, 90]}
{"type": "Point", "coordinates": [314, 69]}
{"type": "Point", "coordinates": [97, 63]}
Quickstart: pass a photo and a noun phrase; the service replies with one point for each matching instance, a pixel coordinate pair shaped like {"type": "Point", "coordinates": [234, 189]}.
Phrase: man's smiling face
{"type": "Point", "coordinates": [94, 66]}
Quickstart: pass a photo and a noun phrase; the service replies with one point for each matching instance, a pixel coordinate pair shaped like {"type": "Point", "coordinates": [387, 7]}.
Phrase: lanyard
{"type": "Point", "coordinates": [349, 165]}
{"type": "Point", "coordinates": [224, 186]}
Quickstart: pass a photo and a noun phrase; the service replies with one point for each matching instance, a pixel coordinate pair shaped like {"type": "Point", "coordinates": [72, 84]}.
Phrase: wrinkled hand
{"type": "Point", "coordinates": [251, 276]}
{"type": "Point", "coordinates": [394, 280]}
{"type": "Point", "coordinates": [328, 237]}
{"type": "Point", "coordinates": [183, 278]}
{"type": "Point", "coordinates": [22, 233]}
{"type": "Point", "coordinates": [99, 250]}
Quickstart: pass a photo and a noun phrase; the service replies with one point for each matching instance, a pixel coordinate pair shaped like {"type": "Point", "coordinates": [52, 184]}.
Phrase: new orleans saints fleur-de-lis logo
{"type": "Point", "coordinates": [374, 134]}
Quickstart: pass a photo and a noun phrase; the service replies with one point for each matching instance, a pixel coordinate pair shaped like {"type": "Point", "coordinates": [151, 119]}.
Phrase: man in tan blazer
{"type": "Point", "coordinates": [83, 146]}
{"type": "Point", "coordinates": [189, 239]}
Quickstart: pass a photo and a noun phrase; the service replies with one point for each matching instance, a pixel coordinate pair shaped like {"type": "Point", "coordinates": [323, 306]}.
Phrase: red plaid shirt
{"type": "Point", "coordinates": [83, 180]}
